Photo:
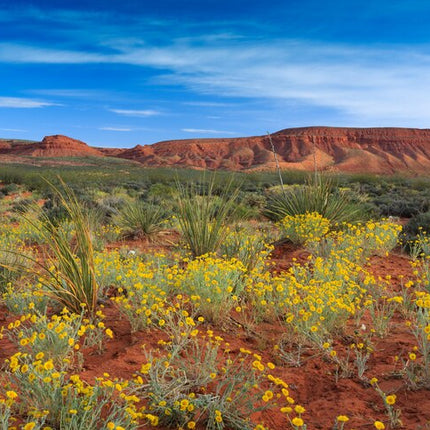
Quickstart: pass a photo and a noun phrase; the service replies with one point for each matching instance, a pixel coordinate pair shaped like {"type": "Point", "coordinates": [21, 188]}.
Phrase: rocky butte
{"type": "Point", "coordinates": [372, 150]}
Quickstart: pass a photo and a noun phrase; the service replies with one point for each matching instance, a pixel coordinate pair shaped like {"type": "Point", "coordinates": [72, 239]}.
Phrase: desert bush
{"type": "Point", "coordinates": [415, 227]}
{"type": "Point", "coordinates": [381, 237]}
{"type": "Point", "coordinates": [54, 212]}
{"type": "Point", "coordinates": [214, 285]}
{"type": "Point", "coordinates": [402, 203]}
{"type": "Point", "coordinates": [96, 220]}
{"type": "Point", "coordinates": [204, 219]}
{"type": "Point", "coordinates": [57, 337]}
{"type": "Point", "coordinates": [250, 206]}
{"type": "Point", "coordinates": [29, 225]}
{"type": "Point", "coordinates": [210, 388]}
{"type": "Point", "coordinates": [68, 272]}
{"type": "Point", "coordinates": [418, 370]}
{"type": "Point", "coordinates": [141, 286]}
{"type": "Point", "coordinates": [317, 195]}
{"type": "Point", "coordinates": [10, 188]}
{"type": "Point", "coordinates": [356, 242]}
{"type": "Point", "coordinates": [140, 219]}
{"type": "Point", "coordinates": [14, 260]}
{"type": "Point", "coordinates": [418, 223]}
{"type": "Point", "coordinates": [302, 228]}
{"type": "Point", "coordinates": [249, 244]}
{"type": "Point", "coordinates": [49, 396]}
{"type": "Point", "coordinates": [420, 246]}
{"type": "Point", "coordinates": [110, 206]}
{"type": "Point", "coordinates": [161, 191]}
{"type": "Point", "coordinates": [12, 267]}
{"type": "Point", "coordinates": [28, 298]}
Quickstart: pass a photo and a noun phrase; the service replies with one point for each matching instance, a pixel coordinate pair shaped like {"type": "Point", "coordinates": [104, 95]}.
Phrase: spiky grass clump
{"type": "Point", "coordinates": [140, 219]}
{"type": "Point", "coordinates": [318, 195]}
{"type": "Point", "coordinates": [204, 218]}
{"type": "Point", "coordinates": [67, 273]}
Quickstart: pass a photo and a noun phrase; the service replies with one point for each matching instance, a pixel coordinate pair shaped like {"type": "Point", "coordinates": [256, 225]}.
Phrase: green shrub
{"type": "Point", "coordinates": [317, 195]}
{"type": "Point", "coordinates": [249, 244]}
{"type": "Point", "coordinates": [140, 219]}
{"type": "Point", "coordinates": [68, 272]}
{"type": "Point", "coordinates": [53, 398]}
{"type": "Point", "coordinates": [10, 189]}
{"type": "Point", "coordinates": [402, 203]}
{"type": "Point", "coordinates": [414, 229]}
{"type": "Point", "coordinates": [54, 211]}
{"type": "Point", "coordinates": [303, 228]}
{"type": "Point", "coordinates": [204, 219]}
{"type": "Point", "coordinates": [209, 390]}
{"type": "Point", "coordinates": [418, 223]}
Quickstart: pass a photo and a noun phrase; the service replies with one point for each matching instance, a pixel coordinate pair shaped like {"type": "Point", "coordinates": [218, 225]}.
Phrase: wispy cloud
{"type": "Point", "coordinates": [18, 130]}
{"type": "Point", "coordinates": [207, 131]}
{"type": "Point", "coordinates": [208, 104]}
{"type": "Point", "coordinates": [115, 129]}
{"type": "Point", "coordinates": [64, 92]}
{"type": "Point", "coordinates": [386, 84]}
{"type": "Point", "coordinates": [16, 102]}
{"type": "Point", "coordinates": [15, 53]}
{"type": "Point", "coordinates": [138, 113]}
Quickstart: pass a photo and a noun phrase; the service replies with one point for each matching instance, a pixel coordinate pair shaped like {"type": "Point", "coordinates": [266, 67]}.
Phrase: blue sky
{"type": "Point", "coordinates": [121, 73]}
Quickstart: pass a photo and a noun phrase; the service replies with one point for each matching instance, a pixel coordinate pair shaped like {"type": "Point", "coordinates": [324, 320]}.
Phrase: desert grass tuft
{"type": "Point", "coordinates": [68, 273]}
{"type": "Point", "coordinates": [318, 195]}
{"type": "Point", "coordinates": [141, 219]}
{"type": "Point", "coordinates": [204, 218]}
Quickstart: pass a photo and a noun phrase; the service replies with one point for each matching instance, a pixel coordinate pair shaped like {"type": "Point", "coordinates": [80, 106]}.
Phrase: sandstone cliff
{"type": "Point", "coordinates": [373, 150]}
{"type": "Point", "coordinates": [376, 150]}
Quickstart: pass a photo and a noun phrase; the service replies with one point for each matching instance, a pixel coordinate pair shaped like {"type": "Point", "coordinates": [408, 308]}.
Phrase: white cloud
{"type": "Point", "coordinates": [208, 104]}
{"type": "Point", "coordinates": [207, 131]}
{"type": "Point", "coordinates": [14, 129]}
{"type": "Point", "coordinates": [115, 129]}
{"type": "Point", "coordinates": [15, 102]}
{"type": "Point", "coordinates": [389, 85]}
{"type": "Point", "coordinates": [30, 54]}
{"type": "Point", "coordinates": [78, 93]}
{"type": "Point", "coordinates": [138, 113]}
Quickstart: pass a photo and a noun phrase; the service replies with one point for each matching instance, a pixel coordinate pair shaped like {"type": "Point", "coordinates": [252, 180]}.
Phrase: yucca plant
{"type": "Point", "coordinates": [140, 219]}
{"type": "Point", "coordinates": [67, 272]}
{"type": "Point", "coordinates": [319, 195]}
{"type": "Point", "coordinates": [204, 219]}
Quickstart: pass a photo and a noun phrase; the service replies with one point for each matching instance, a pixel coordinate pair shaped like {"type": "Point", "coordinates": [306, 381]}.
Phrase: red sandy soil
{"type": "Point", "coordinates": [357, 150]}
{"type": "Point", "coordinates": [312, 385]}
